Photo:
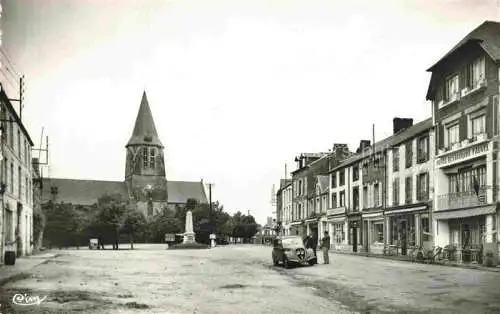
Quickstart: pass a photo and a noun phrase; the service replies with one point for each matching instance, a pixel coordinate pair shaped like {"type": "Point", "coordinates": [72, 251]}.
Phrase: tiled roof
{"type": "Point", "coordinates": [83, 192]}
{"type": "Point", "coordinates": [487, 35]}
{"type": "Point", "coordinates": [180, 191]}
{"type": "Point", "coordinates": [87, 192]}
{"type": "Point", "coordinates": [388, 142]}
{"type": "Point", "coordinates": [144, 130]}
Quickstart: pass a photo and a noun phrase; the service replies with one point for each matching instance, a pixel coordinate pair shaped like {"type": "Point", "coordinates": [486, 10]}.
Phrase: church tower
{"type": "Point", "coordinates": [145, 167]}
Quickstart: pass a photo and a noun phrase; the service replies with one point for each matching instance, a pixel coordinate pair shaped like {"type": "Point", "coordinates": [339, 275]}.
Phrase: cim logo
{"type": "Point", "coordinates": [24, 299]}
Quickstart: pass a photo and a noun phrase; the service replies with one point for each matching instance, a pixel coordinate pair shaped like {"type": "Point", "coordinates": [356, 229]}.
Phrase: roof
{"type": "Point", "coordinates": [83, 192]}
{"type": "Point", "coordinates": [487, 35]}
{"type": "Point", "coordinates": [8, 104]}
{"type": "Point", "coordinates": [144, 130]}
{"type": "Point", "coordinates": [87, 192]}
{"type": "Point", "coordinates": [181, 191]}
{"type": "Point", "coordinates": [388, 142]}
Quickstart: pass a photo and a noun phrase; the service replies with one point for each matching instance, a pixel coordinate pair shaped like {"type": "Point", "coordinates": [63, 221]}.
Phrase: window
{"type": "Point", "coordinates": [464, 181]}
{"type": "Point", "coordinates": [451, 88]}
{"type": "Point", "coordinates": [148, 157]}
{"type": "Point", "coordinates": [300, 187]}
{"type": "Point", "coordinates": [11, 134]}
{"type": "Point", "coordinates": [423, 149]}
{"type": "Point", "coordinates": [395, 191]}
{"type": "Point", "coordinates": [19, 183]}
{"type": "Point", "coordinates": [423, 187]}
{"type": "Point", "coordinates": [11, 183]}
{"type": "Point", "coordinates": [395, 160]}
{"type": "Point", "coordinates": [453, 135]}
{"type": "Point", "coordinates": [478, 125]}
{"type": "Point", "coordinates": [342, 199]}
{"type": "Point", "coordinates": [342, 177]}
{"type": "Point", "coordinates": [476, 73]}
{"type": "Point", "coordinates": [334, 180]}
{"type": "Point", "coordinates": [425, 227]}
{"type": "Point", "coordinates": [19, 150]}
{"type": "Point", "coordinates": [9, 237]}
{"type": "Point", "coordinates": [152, 152]}
{"type": "Point", "coordinates": [355, 198]}
{"type": "Point", "coordinates": [378, 233]}
{"type": "Point", "coordinates": [355, 173]}
{"type": "Point", "coordinates": [408, 190]}
{"type": "Point", "coordinates": [26, 193]}
{"type": "Point", "coordinates": [376, 195]}
{"type": "Point", "coordinates": [409, 154]}
{"type": "Point", "coordinates": [365, 197]}
{"type": "Point", "coordinates": [334, 200]}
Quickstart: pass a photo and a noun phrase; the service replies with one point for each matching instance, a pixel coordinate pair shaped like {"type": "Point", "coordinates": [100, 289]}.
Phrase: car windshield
{"type": "Point", "coordinates": [292, 242]}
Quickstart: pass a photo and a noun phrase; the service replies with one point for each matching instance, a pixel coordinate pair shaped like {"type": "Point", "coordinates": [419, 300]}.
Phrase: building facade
{"type": "Point", "coordinates": [464, 89]}
{"type": "Point", "coordinates": [16, 182]}
{"type": "Point", "coordinates": [285, 204]}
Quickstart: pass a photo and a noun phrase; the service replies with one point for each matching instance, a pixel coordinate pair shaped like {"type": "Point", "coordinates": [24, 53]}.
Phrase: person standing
{"type": "Point", "coordinates": [325, 247]}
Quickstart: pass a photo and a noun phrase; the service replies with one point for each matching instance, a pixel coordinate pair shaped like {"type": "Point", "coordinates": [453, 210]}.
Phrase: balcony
{"type": "Point", "coordinates": [463, 199]}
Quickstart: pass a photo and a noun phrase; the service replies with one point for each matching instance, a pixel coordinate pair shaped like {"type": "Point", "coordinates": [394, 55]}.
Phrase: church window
{"type": "Point", "coordinates": [152, 156]}
{"type": "Point", "coordinates": [145, 157]}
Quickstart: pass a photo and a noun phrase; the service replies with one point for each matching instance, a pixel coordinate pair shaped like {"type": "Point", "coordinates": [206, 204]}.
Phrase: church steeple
{"type": "Point", "coordinates": [144, 130]}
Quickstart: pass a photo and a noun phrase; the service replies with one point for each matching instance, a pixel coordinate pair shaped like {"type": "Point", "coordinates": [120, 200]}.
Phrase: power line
{"type": "Point", "coordinates": [9, 60]}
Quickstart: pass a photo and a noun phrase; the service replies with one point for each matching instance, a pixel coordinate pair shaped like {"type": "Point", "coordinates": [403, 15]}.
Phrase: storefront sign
{"type": "Point", "coordinates": [462, 155]}
{"type": "Point", "coordinates": [335, 211]}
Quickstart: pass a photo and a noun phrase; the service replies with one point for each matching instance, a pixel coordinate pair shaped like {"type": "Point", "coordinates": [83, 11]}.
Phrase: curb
{"type": "Point", "coordinates": [463, 266]}
{"type": "Point", "coordinates": [24, 272]}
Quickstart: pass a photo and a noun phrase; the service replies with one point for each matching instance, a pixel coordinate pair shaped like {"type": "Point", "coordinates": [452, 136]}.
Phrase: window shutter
{"type": "Point", "coordinates": [419, 187]}
{"type": "Point", "coordinates": [489, 119]}
{"type": "Point", "coordinates": [463, 127]}
{"type": "Point", "coordinates": [440, 136]}
{"type": "Point", "coordinates": [427, 186]}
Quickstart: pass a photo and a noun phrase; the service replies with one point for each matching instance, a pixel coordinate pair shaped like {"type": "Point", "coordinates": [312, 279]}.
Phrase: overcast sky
{"type": "Point", "coordinates": [237, 88]}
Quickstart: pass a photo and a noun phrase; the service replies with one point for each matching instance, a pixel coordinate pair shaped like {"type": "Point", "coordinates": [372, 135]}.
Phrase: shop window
{"type": "Point", "coordinates": [378, 233]}
{"type": "Point", "coordinates": [425, 227]}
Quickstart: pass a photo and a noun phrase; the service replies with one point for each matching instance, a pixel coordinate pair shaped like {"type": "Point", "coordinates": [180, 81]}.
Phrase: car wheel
{"type": "Point", "coordinates": [285, 263]}
{"type": "Point", "coordinates": [312, 262]}
{"type": "Point", "coordinates": [275, 262]}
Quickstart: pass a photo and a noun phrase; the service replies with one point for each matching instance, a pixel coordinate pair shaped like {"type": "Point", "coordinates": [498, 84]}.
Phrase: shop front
{"type": "Point", "coordinates": [337, 229]}
{"type": "Point", "coordinates": [373, 232]}
{"type": "Point", "coordinates": [408, 228]}
{"type": "Point", "coordinates": [468, 234]}
{"type": "Point", "coordinates": [295, 227]}
{"type": "Point", "coordinates": [355, 232]}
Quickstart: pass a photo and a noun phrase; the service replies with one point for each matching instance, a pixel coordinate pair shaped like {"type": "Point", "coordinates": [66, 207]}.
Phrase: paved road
{"type": "Point", "coordinates": [241, 279]}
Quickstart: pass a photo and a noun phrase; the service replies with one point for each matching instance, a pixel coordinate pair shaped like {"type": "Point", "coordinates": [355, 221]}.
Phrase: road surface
{"type": "Point", "coordinates": [241, 279]}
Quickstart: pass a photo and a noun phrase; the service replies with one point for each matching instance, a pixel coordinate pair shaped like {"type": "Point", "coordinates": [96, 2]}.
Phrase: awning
{"type": "Point", "coordinates": [462, 213]}
{"type": "Point", "coordinates": [337, 219]}
{"type": "Point", "coordinates": [405, 210]}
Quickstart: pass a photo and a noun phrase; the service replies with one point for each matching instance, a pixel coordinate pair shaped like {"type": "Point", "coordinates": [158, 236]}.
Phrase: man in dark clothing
{"type": "Point", "coordinates": [325, 246]}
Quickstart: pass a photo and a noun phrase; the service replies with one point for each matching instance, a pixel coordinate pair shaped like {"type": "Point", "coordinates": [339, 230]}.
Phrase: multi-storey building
{"type": "Point", "coordinates": [16, 182]}
{"type": "Point", "coordinates": [464, 89]}
{"type": "Point", "coordinates": [284, 197]}
{"type": "Point", "coordinates": [409, 173]}
{"type": "Point", "coordinates": [319, 202]}
{"type": "Point", "coordinates": [365, 190]}
{"type": "Point", "coordinates": [303, 186]}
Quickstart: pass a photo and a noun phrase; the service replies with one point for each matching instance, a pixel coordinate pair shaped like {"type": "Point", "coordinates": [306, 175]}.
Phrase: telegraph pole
{"type": "Point", "coordinates": [212, 226]}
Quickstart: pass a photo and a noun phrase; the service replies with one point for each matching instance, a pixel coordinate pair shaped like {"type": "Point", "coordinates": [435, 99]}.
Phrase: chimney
{"type": "Point", "coordinates": [362, 145]}
{"type": "Point", "coordinates": [400, 124]}
{"type": "Point", "coordinates": [340, 151]}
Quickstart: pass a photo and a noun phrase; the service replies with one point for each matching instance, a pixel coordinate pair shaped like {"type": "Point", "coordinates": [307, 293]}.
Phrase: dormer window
{"type": "Point", "coordinates": [476, 73]}
{"type": "Point", "coordinates": [451, 88]}
{"type": "Point", "coordinates": [149, 156]}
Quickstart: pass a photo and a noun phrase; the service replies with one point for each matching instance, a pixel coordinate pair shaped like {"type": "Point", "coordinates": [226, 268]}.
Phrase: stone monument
{"type": "Point", "coordinates": [188, 231]}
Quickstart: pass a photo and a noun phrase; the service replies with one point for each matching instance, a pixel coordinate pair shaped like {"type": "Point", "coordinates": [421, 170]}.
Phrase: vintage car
{"type": "Point", "coordinates": [290, 250]}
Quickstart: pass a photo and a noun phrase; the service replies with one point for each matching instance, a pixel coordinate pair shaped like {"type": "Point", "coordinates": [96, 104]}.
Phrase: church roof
{"type": "Point", "coordinates": [144, 130]}
{"type": "Point", "coordinates": [87, 192]}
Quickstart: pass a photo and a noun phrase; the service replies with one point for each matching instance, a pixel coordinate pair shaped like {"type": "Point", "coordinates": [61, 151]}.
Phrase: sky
{"type": "Point", "coordinates": [237, 88]}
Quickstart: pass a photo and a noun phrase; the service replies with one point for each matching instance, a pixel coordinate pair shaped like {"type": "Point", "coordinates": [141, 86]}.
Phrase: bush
{"type": "Point", "coordinates": [188, 246]}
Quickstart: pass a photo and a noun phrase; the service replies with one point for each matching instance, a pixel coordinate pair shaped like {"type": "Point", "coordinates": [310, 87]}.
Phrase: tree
{"type": "Point", "coordinates": [133, 223]}
{"type": "Point", "coordinates": [109, 218]}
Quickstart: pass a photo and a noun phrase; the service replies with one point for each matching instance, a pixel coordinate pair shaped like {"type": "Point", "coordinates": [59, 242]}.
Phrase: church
{"type": "Point", "coordinates": [145, 185]}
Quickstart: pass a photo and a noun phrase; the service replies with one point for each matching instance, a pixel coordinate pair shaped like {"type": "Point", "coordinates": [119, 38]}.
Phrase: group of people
{"type": "Point", "coordinates": [311, 242]}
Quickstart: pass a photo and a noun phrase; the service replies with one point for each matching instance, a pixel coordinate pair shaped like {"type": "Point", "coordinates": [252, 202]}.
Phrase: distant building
{"type": "Point", "coordinates": [16, 182]}
{"type": "Point", "coordinates": [145, 185]}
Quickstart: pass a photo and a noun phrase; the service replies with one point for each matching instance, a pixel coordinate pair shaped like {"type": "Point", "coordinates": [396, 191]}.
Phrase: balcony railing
{"type": "Point", "coordinates": [463, 199]}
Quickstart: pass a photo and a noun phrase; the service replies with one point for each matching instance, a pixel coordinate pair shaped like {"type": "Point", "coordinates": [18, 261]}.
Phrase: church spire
{"type": "Point", "coordinates": [144, 130]}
